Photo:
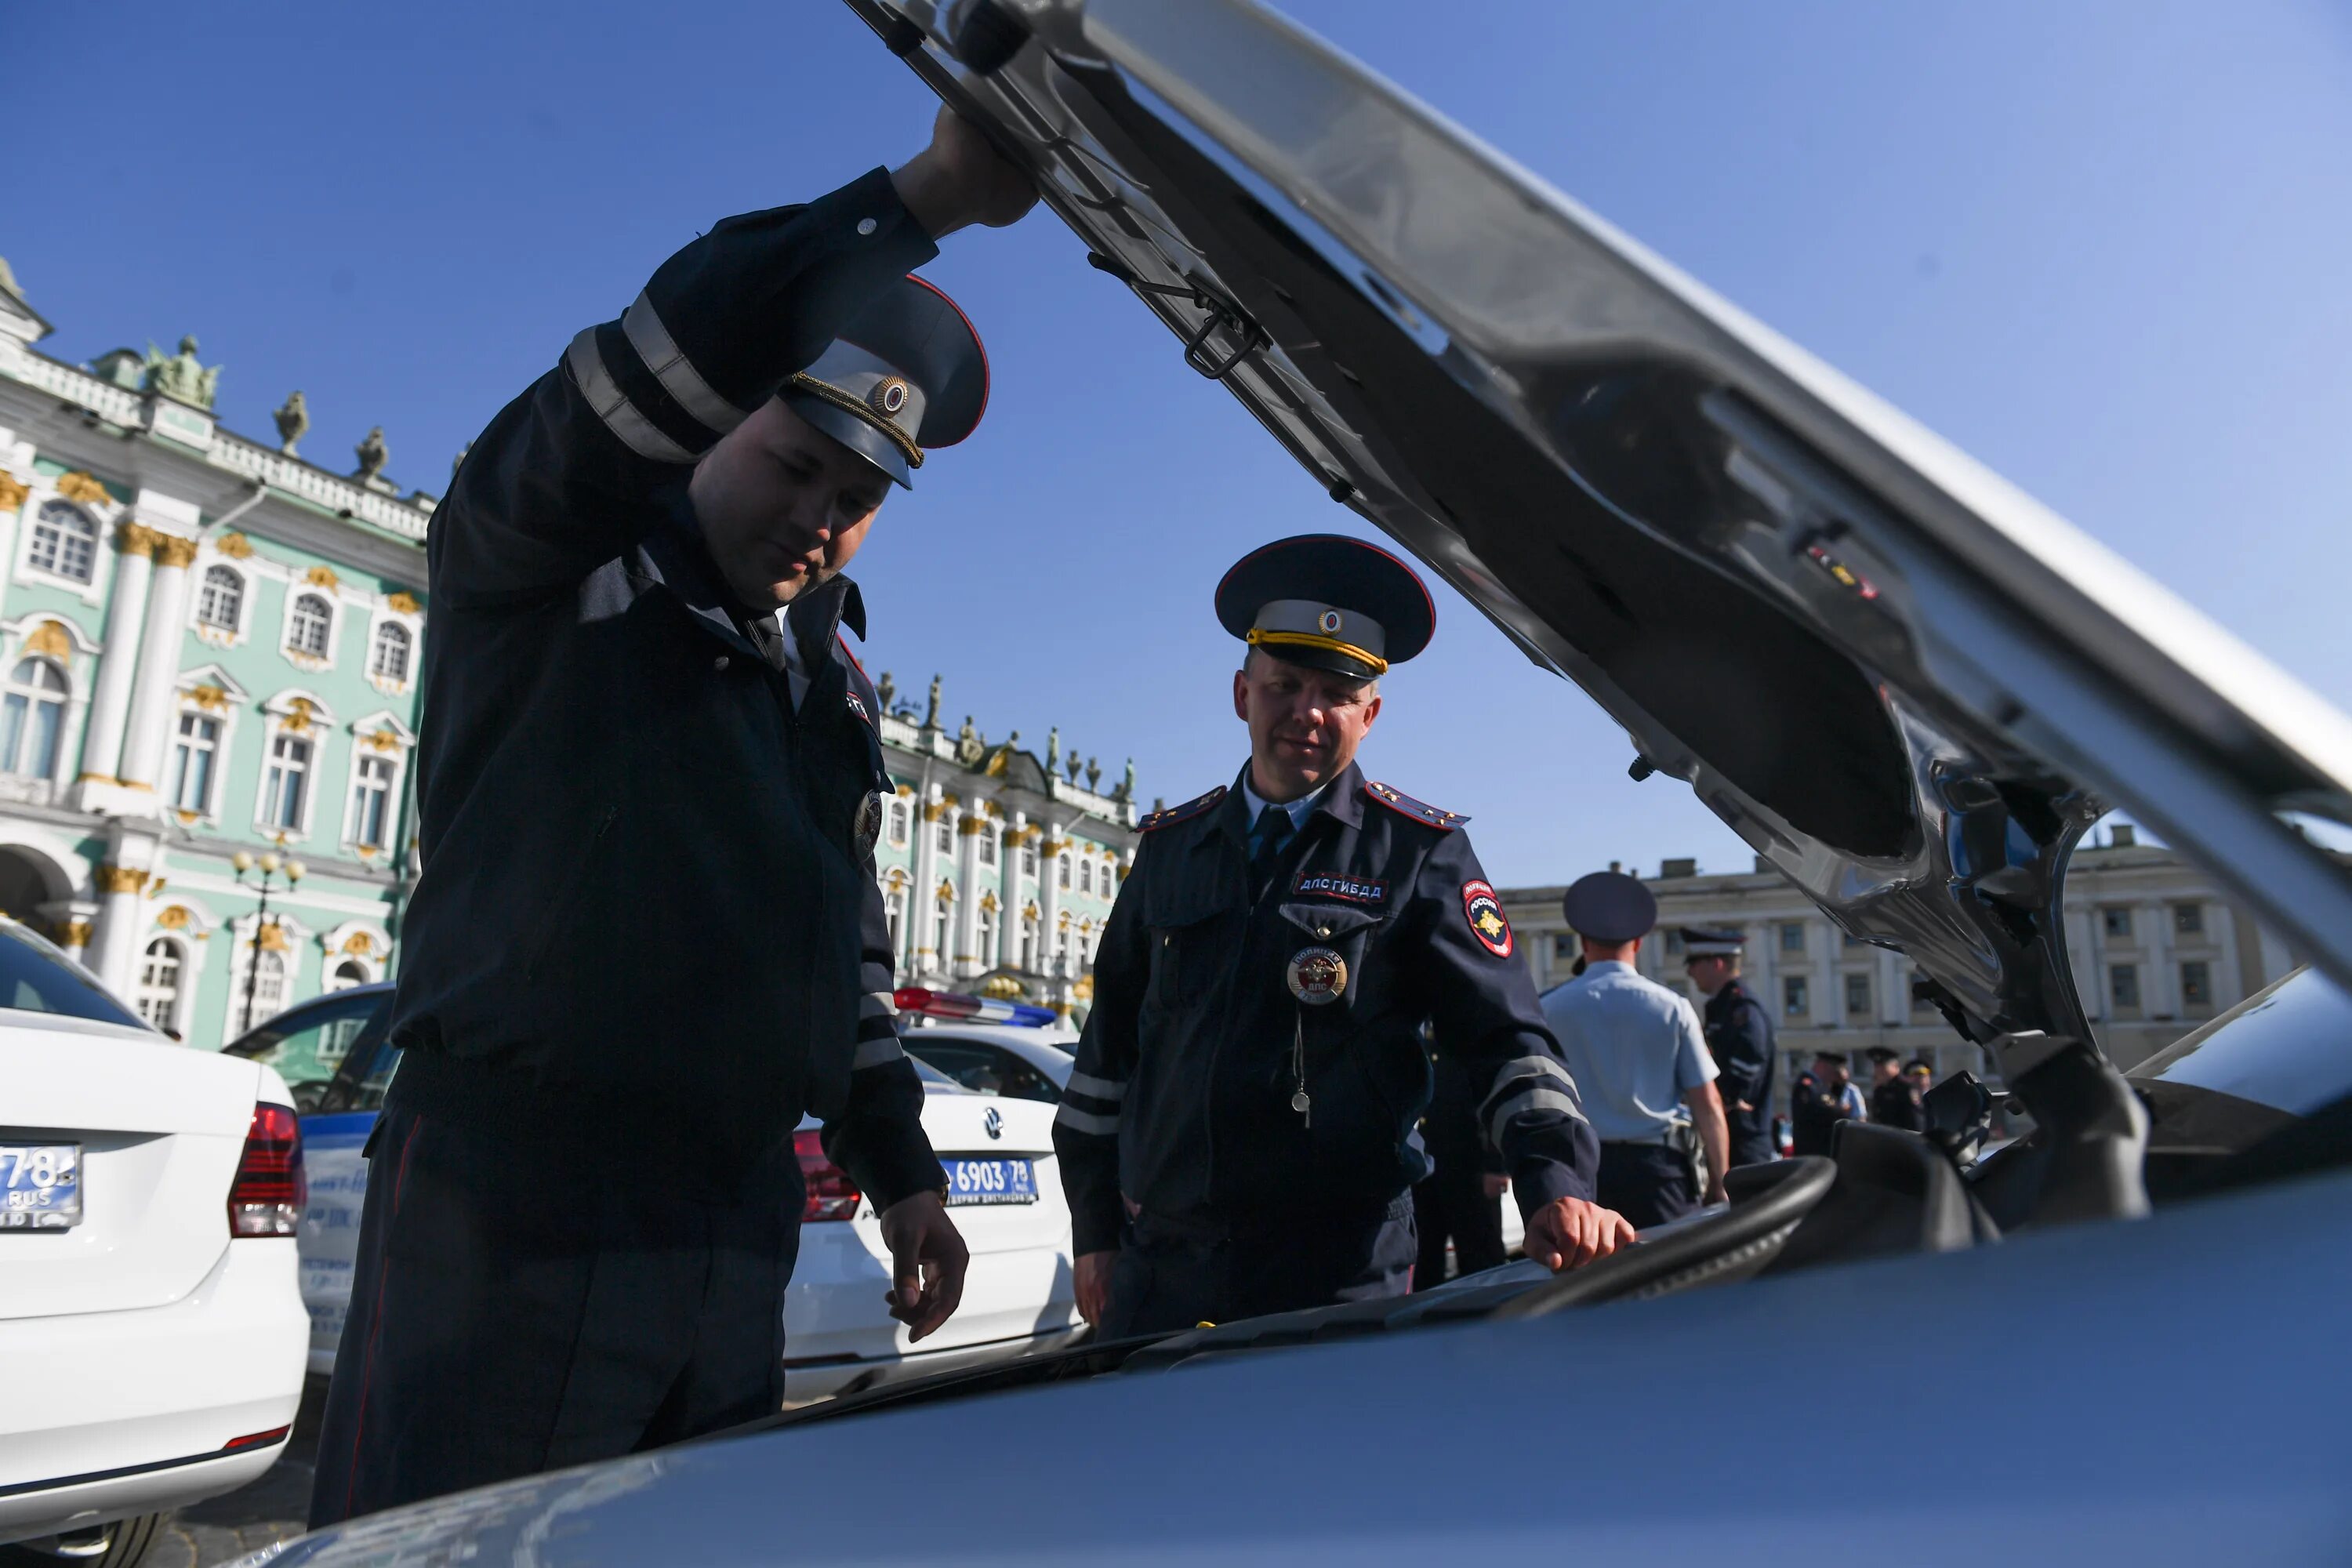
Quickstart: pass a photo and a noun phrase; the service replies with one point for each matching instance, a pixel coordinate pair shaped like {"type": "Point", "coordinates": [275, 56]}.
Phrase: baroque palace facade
{"type": "Point", "coordinates": [2156, 949]}
{"type": "Point", "coordinates": [998, 869]}
{"type": "Point", "coordinates": [210, 647]}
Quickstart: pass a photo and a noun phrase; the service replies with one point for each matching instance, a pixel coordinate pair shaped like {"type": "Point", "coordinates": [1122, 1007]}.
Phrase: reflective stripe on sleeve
{"type": "Point", "coordinates": [612, 406]}
{"type": "Point", "coordinates": [1079, 1121]}
{"type": "Point", "coordinates": [674, 370]}
{"type": "Point", "coordinates": [876, 1053]}
{"type": "Point", "coordinates": [874, 1006]}
{"type": "Point", "coordinates": [1531, 1099]}
{"type": "Point", "coordinates": [1097, 1087]}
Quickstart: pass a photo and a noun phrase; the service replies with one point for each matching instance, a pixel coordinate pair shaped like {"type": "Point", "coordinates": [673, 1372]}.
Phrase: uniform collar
{"type": "Point", "coordinates": [1607, 966]}
{"type": "Point", "coordinates": [1340, 798]}
{"type": "Point", "coordinates": [674, 554]}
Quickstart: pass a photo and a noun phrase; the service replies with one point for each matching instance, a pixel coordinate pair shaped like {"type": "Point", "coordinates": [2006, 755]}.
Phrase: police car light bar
{"type": "Point", "coordinates": [966, 1009]}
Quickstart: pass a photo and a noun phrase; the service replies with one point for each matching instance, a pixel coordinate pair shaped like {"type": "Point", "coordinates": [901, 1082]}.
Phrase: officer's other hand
{"type": "Point", "coordinates": [1716, 1194]}
{"type": "Point", "coordinates": [1093, 1285]}
{"type": "Point", "coordinates": [927, 1262]}
{"type": "Point", "coordinates": [961, 179]}
{"type": "Point", "coordinates": [1569, 1233]}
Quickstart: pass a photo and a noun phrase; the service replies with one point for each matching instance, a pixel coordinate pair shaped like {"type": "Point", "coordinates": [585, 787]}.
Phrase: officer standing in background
{"type": "Point", "coordinates": [1824, 1098]}
{"type": "Point", "coordinates": [584, 1202]}
{"type": "Point", "coordinates": [1893, 1102]}
{"type": "Point", "coordinates": [1740, 1033]}
{"type": "Point", "coordinates": [1239, 1134]}
{"type": "Point", "coordinates": [1460, 1200]}
{"type": "Point", "coordinates": [1635, 1049]}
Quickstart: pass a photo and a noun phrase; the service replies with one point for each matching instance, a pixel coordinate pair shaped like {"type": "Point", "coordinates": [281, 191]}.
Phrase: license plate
{"type": "Point", "coordinates": [40, 1187]}
{"type": "Point", "coordinates": [990, 1182]}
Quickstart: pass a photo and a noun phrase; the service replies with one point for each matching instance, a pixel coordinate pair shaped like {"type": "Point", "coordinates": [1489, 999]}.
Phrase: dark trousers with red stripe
{"type": "Point", "coordinates": [519, 1306]}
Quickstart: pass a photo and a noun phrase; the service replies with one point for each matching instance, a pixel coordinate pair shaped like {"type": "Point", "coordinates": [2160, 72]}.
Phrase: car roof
{"type": "Point", "coordinates": [1910, 686]}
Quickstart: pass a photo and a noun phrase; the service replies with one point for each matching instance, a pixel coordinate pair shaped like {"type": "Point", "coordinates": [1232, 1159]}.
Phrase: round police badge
{"type": "Point", "coordinates": [1485, 913]}
{"type": "Point", "coordinates": [1317, 975]}
{"type": "Point", "coordinates": [866, 828]}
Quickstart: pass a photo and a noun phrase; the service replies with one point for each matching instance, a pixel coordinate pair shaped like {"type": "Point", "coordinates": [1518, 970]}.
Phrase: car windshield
{"type": "Point", "coordinates": [35, 977]}
{"type": "Point", "coordinates": [305, 1045]}
{"type": "Point", "coordinates": [2287, 1047]}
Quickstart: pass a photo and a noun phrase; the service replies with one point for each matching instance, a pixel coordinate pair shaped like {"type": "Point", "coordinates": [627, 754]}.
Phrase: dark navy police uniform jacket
{"type": "Point", "coordinates": [1739, 1036]}
{"type": "Point", "coordinates": [647, 903]}
{"type": "Point", "coordinates": [1182, 1098]}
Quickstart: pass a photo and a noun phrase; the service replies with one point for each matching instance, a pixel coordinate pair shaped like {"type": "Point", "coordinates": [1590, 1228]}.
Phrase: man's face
{"type": "Point", "coordinates": [782, 506]}
{"type": "Point", "coordinates": [1885, 1072]}
{"type": "Point", "coordinates": [1831, 1073]}
{"type": "Point", "coordinates": [1710, 973]}
{"type": "Point", "coordinates": [1919, 1079]}
{"type": "Point", "coordinates": [1304, 724]}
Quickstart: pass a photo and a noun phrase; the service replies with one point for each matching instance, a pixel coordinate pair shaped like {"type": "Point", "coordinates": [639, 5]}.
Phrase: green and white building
{"type": "Point", "coordinates": [209, 646]}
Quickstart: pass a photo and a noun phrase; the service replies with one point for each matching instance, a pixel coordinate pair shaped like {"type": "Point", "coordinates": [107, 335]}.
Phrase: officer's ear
{"type": "Point", "coordinates": [1241, 692]}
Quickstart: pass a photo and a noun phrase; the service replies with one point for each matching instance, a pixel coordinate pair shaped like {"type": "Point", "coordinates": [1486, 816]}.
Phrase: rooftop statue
{"type": "Point", "coordinates": [1125, 790]}
{"type": "Point", "coordinates": [931, 714]}
{"type": "Point", "coordinates": [1093, 775]}
{"type": "Point", "coordinates": [293, 422]}
{"type": "Point", "coordinates": [1053, 749]}
{"type": "Point", "coordinates": [179, 377]}
{"type": "Point", "coordinates": [372, 454]}
{"type": "Point", "coordinates": [1077, 763]}
{"type": "Point", "coordinates": [460, 460]}
{"type": "Point", "coordinates": [889, 693]}
{"type": "Point", "coordinates": [969, 748]}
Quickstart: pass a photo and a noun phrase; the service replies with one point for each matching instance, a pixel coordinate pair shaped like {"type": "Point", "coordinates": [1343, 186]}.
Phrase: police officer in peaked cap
{"type": "Point", "coordinates": [1740, 1033]}
{"type": "Point", "coordinates": [1239, 1136]}
{"type": "Point", "coordinates": [1635, 1045]}
{"type": "Point", "coordinates": [646, 939]}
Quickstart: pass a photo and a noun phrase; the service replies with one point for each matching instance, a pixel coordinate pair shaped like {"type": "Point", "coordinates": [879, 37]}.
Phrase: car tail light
{"type": "Point", "coordinates": [831, 1193]}
{"type": "Point", "coordinates": [267, 1196]}
{"type": "Point", "coordinates": [256, 1439]}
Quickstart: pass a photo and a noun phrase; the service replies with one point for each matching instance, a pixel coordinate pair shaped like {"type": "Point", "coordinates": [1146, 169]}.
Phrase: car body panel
{"type": "Point", "coordinates": [1658, 498]}
{"type": "Point", "coordinates": [1323, 1453]}
{"type": "Point", "coordinates": [139, 1344]}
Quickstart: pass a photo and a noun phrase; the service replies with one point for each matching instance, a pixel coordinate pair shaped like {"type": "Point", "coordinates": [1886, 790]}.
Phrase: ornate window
{"type": "Point", "coordinates": [351, 972]}
{"type": "Point", "coordinates": [1029, 941]}
{"type": "Point", "coordinates": [1029, 857]}
{"type": "Point", "coordinates": [987, 936]}
{"type": "Point", "coordinates": [32, 716]}
{"type": "Point", "coordinates": [370, 803]}
{"type": "Point", "coordinates": [943, 925]}
{"type": "Point", "coordinates": [313, 624]}
{"type": "Point", "coordinates": [2123, 986]}
{"type": "Point", "coordinates": [1796, 1000]}
{"type": "Point", "coordinates": [1857, 996]}
{"type": "Point", "coordinates": [1085, 875]}
{"type": "Point", "coordinates": [2196, 983]}
{"type": "Point", "coordinates": [65, 542]}
{"type": "Point", "coordinates": [943, 837]}
{"type": "Point", "coordinates": [194, 752]}
{"type": "Point", "coordinates": [266, 982]}
{"type": "Point", "coordinates": [898, 819]}
{"type": "Point", "coordinates": [388, 661]}
{"type": "Point", "coordinates": [987, 845]}
{"type": "Point", "coordinates": [159, 983]}
{"type": "Point", "coordinates": [287, 784]}
{"type": "Point", "coordinates": [894, 903]}
{"type": "Point", "coordinates": [222, 599]}
{"type": "Point", "coordinates": [1062, 871]}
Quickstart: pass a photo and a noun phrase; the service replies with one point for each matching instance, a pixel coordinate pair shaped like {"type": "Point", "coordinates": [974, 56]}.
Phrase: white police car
{"type": "Point", "coordinates": [151, 1332]}
{"type": "Point", "coordinates": [1910, 688]}
{"type": "Point", "coordinates": [998, 1151]}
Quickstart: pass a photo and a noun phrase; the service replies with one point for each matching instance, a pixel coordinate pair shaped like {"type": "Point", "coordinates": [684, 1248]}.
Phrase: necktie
{"type": "Point", "coordinates": [1267, 838]}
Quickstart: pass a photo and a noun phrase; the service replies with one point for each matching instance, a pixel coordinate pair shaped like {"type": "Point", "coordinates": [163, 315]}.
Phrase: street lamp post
{"type": "Point", "coordinates": [269, 866]}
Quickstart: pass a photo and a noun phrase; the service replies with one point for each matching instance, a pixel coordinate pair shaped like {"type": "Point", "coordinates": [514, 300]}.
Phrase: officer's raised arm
{"type": "Point", "coordinates": [559, 481]}
{"type": "Point", "coordinates": [1482, 1004]}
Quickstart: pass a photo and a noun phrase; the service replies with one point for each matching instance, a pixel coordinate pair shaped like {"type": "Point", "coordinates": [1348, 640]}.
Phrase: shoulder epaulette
{"type": "Point", "coordinates": [1404, 805]}
{"type": "Point", "coordinates": [1185, 812]}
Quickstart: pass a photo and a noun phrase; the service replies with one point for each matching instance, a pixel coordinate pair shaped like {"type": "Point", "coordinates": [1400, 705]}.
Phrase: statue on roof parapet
{"type": "Point", "coordinates": [293, 422]}
{"type": "Point", "coordinates": [179, 377]}
{"type": "Point", "coordinates": [373, 454]}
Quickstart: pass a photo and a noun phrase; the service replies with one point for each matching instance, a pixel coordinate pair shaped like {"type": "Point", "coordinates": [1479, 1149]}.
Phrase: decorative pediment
{"type": "Point", "coordinates": [383, 732]}
{"type": "Point", "coordinates": [299, 710]}
{"type": "Point", "coordinates": [358, 939]}
{"type": "Point", "coordinates": [82, 487]}
{"type": "Point", "coordinates": [213, 689]}
{"type": "Point", "coordinates": [52, 635]}
{"type": "Point", "coordinates": [185, 917]}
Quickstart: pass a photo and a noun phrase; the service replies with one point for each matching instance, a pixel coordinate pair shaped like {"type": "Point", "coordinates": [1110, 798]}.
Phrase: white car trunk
{"type": "Point", "coordinates": [1015, 1247]}
{"type": "Point", "coordinates": [160, 1129]}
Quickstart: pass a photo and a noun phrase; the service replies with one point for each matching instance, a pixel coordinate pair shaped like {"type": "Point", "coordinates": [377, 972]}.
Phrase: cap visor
{"type": "Point", "coordinates": [853, 433]}
{"type": "Point", "coordinates": [1324, 660]}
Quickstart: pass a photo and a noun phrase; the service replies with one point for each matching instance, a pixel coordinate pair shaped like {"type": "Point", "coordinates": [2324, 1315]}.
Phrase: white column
{"type": "Point", "coordinates": [110, 704]}
{"type": "Point", "coordinates": [1049, 898]}
{"type": "Point", "coordinates": [117, 940]}
{"type": "Point", "coordinates": [1893, 995]}
{"type": "Point", "coordinates": [76, 923]}
{"type": "Point", "coordinates": [923, 897]}
{"type": "Point", "coordinates": [2159, 992]}
{"type": "Point", "coordinates": [968, 960]}
{"type": "Point", "coordinates": [1829, 993]}
{"type": "Point", "coordinates": [159, 664]}
{"type": "Point", "coordinates": [1008, 896]}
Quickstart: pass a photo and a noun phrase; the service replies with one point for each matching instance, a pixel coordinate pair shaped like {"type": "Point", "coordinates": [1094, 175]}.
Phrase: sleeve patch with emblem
{"type": "Point", "coordinates": [1485, 913]}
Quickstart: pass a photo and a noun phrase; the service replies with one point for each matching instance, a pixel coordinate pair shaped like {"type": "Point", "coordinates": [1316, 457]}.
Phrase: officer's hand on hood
{"type": "Point", "coordinates": [1570, 1232]}
{"type": "Point", "coordinates": [961, 179]}
{"type": "Point", "coordinates": [927, 1263]}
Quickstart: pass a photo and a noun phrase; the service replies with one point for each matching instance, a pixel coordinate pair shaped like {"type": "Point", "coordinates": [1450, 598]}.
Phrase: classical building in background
{"type": "Point", "coordinates": [209, 646]}
{"type": "Point", "coordinates": [998, 868]}
{"type": "Point", "coordinates": [2156, 949]}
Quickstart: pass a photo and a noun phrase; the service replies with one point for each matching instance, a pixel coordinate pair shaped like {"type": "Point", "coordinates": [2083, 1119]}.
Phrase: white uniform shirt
{"type": "Point", "coordinates": [1635, 1048]}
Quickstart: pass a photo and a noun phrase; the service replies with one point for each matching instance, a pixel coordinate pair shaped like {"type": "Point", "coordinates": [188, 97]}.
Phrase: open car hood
{"type": "Point", "coordinates": [1907, 685]}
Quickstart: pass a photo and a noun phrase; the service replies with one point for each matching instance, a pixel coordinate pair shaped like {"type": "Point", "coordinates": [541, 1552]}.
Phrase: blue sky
{"type": "Point", "coordinates": [2102, 245]}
